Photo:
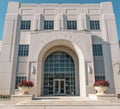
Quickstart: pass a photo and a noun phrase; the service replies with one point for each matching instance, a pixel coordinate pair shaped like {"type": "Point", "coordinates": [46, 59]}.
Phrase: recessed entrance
{"type": "Point", "coordinates": [59, 74]}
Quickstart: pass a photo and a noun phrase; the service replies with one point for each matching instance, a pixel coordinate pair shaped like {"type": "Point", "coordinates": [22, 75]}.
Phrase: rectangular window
{"type": "Point", "coordinates": [95, 25]}
{"type": "Point", "coordinates": [25, 24]}
{"type": "Point", "coordinates": [97, 50]}
{"type": "Point", "coordinates": [18, 79]}
{"type": "Point", "coordinates": [23, 50]}
{"type": "Point", "coordinates": [48, 24]}
{"type": "Point", "coordinates": [72, 24]}
{"type": "Point", "coordinates": [97, 78]}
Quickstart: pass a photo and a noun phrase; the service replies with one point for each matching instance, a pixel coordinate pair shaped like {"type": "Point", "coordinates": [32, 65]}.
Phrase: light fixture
{"type": "Point", "coordinates": [33, 70]}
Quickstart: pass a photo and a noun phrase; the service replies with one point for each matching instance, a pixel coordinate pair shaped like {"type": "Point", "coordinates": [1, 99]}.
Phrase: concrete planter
{"type": "Point", "coordinates": [101, 89]}
{"type": "Point", "coordinates": [24, 90]}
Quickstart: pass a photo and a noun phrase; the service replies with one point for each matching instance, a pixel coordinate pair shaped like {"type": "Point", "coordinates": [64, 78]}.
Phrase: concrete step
{"type": "Point", "coordinates": [66, 101]}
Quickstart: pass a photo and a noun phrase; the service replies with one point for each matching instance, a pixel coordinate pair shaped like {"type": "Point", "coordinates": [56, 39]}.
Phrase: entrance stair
{"type": "Point", "coordinates": [67, 101]}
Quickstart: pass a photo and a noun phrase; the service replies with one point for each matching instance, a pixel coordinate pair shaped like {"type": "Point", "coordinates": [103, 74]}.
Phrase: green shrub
{"type": "Point", "coordinates": [3, 96]}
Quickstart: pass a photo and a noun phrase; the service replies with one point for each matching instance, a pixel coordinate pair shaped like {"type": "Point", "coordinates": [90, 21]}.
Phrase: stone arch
{"type": "Point", "coordinates": [81, 64]}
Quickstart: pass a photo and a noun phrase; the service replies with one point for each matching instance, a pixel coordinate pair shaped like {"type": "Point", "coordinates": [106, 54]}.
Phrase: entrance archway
{"type": "Point", "coordinates": [59, 74]}
{"type": "Point", "coordinates": [71, 49]}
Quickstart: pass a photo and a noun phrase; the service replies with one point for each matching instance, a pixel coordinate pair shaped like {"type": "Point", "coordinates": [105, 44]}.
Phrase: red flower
{"type": "Point", "coordinates": [25, 84]}
{"type": "Point", "coordinates": [101, 83]}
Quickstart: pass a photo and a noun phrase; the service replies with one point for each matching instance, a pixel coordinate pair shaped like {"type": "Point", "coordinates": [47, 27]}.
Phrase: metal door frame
{"type": "Point", "coordinates": [59, 87]}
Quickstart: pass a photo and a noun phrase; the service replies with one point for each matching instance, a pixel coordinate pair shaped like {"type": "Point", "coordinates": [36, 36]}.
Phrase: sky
{"type": "Point", "coordinates": [4, 3]}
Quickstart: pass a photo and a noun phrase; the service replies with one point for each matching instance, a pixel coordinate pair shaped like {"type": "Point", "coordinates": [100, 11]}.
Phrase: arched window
{"type": "Point", "coordinates": [59, 74]}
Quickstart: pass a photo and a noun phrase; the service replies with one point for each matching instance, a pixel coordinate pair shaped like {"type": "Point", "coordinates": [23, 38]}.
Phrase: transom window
{"type": "Point", "coordinates": [48, 24]}
{"type": "Point", "coordinates": [72, 24]}
{"type": "Point", "coordinates": [95, 25]}
{"type": "Point", "coordinates": [59, 68]}
{"type": "Point", "coordinates": [25, 24]}
{"type": "Point", "coordinates": [97, 50]}
{"type": "Point", "coordinates": [23, 50]}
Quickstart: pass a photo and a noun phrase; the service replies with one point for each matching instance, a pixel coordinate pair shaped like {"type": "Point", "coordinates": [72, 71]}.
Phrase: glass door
{"type": "Point", "coordinates": [59, 86]}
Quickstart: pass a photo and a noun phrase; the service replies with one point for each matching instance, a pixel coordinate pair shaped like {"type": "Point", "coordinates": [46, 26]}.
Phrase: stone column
{"type": "Point", "coordinates": [34, 23]}
{"type": "Point", "coordinates": [9, 52]}
{"type": "Point", "coordinates": [111, 52]}
{"type": "Point", "coordinates": [64, 22]}
{"type": "Point", "coordinates": [82, 22]}
{"type": "Point", "coordinates": [41, 22]}
{"type": "Point", "coordinates": [57, 22]}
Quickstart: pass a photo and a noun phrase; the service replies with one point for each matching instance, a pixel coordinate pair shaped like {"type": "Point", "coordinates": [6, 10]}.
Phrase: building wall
{"type": "Point", "coordinates": [80, 41]}
{"type": "Point", "coordinates": [0, 45]}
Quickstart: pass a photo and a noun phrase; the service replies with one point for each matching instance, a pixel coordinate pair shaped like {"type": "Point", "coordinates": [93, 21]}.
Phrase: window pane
{"type": "Point", "coordinates": [94, 25]}
{"type": "Point", "coordinates": [18, 79]}
{"type": "Point", "coordinates": [97, 50]}
{"type": "Point", "coordinates": [48, 24]}
{"type": "Point", "coordinates": [25, 25]}
{"type": "Point", "coordinates": [23, 50]}
{"type": "Point", "coordinates": [59, 68]}
{"type": "Point", "coordinates": [97, 78]}
{"type": "Point", "coordinates": [71, 25]}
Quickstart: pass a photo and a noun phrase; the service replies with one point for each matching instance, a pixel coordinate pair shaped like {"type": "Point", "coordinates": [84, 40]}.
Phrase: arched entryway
{"type": "Point", "coordinates": [75, 53]}
{"type": "Point", "coordinates": [59, 74]}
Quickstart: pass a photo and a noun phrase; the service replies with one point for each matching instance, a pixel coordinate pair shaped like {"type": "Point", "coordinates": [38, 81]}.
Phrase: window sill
{"type": "Point", "coordinates": [95, 30]}
{"type": "Point", "coordinates": [26, 30]}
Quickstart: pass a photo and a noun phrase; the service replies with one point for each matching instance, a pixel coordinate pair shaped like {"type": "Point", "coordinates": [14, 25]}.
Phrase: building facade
{"type": "Point", "coordinates": [62, 48]}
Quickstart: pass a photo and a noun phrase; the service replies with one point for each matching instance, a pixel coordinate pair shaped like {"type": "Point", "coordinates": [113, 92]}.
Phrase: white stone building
{"type": "Point", "coordinates": [62, 48]}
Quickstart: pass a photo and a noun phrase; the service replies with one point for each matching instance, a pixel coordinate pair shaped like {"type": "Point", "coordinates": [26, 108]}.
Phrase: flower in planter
{"type": "Point", "coordinates": [25, 84]}
{"type": "Point", "coordinates": [101, 83]}
{"type": "Point", "coordinates": [101, 86]}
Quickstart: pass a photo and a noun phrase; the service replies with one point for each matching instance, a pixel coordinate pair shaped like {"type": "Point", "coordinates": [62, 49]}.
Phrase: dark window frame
{"type": "Point", "coordinates": [94, 25]}
{"type": "Point", "coordinates": [25, 25]}
{"type": "Point", "coordinates": [48, 24]}
{"type": "Point", "coordinates": [71, 24]}
{"type": "Point", "coordinates": [97, 78]}
{"type": "Point", "coordinates": [23, 50]}
{"type": "Point", "coordinates": [18, 79]}
{"type": "Point", "coordinates": [97, 50]}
